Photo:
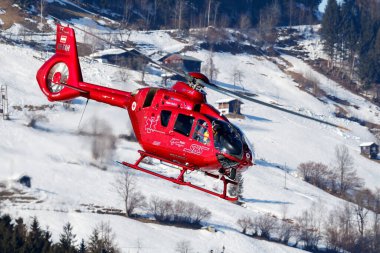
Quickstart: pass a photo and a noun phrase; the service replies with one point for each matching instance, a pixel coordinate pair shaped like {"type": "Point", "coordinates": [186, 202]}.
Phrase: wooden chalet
{"type": "Point", "coordinates": [230, 107]}
{"type": "Point", "coordinates": [369, 149]}
{"type": "Point", "coordinates": [131, 58]}
{"type": "Point", "coordinates": [182, 62]}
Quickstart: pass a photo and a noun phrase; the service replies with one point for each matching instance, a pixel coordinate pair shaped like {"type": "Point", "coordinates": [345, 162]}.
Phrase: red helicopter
{"type": "Point", "coordinates": [176, 125]}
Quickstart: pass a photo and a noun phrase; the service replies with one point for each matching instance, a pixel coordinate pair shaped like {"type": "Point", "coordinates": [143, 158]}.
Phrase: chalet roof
{"type": "Point", "coordinates": [227, 100]}
{"type": "Point", "coordinates": [190, 58]}
{"type": "Point", "coordinates": [114, 51]}
{"type": "Point", "coordinates": [180, 56]}
{"type": "Point", "coordinates": [367, 144]}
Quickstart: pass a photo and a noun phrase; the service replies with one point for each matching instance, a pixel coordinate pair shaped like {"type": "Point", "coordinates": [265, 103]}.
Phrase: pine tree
{"type": "Point", "coordinates": [95, 244]}
{"type": "Point", "coordinates": [47, 244]}
{"type": "Point", "coordinates": [67, 239]}
{"type": "Point", "coordinates": [376, 50]}
{"type": "Point", "coordinates": [330, 29]}
{"type": "Point", "coordinates": [38, 241]}
{"type": "Point", "coordinates": [368, 57]}
{"type": "Point", "coordinates": [350, 29]}
{"type": "Point", "coordinates": [19, 236]}
{"type": "Point", "coordinates": [6, 230]}
{"type": "Point", "coordinates": [82, 247]}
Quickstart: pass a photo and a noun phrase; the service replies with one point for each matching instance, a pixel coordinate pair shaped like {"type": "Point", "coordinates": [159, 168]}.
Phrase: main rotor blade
{"type": "Point", "coordinates": [240, 95]}
{"type": "Point", "coordinates": [208, 85]}
{"type": "Point", "coordinates": [133, 51]}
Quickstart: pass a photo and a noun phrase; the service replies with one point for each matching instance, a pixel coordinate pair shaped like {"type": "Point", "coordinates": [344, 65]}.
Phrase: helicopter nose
{"type": "Point", "coordinates": [248, 158]}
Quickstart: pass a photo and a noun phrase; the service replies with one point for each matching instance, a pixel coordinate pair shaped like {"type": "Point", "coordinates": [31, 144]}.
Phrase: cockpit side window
{"type": "Point", "coordinates": [183, 124]}
{"type": "Point", "coordinates": [149, 97]}
{"type": "Point", "coordinates": [201, 132]}
{"type": "Point", "coordinates": [165, 117]}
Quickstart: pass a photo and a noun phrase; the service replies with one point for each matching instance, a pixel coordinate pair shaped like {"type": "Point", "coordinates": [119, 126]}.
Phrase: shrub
{"type": "Point", "coordinates": [177, 212]}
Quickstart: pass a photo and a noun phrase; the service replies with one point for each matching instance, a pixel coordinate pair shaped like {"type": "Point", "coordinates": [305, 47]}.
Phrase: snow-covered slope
{"type": "Point", "coordinates": [58, 159]}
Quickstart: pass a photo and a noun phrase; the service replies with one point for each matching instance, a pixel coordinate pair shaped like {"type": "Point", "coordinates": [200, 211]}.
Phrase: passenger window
{"type": "Point", "coordinates": [165, 117]}
{"type": "Point", "coordinates": [201, 132]}
{"type": "Point", "coordinates": [183, 124]}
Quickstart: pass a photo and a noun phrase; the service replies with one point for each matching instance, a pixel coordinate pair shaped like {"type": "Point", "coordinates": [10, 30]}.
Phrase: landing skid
{"type": "Point", "coordinates": [180, 179]}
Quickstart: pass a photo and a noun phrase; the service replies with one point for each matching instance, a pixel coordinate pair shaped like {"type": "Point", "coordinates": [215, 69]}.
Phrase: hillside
{"type": "Point", "coordinates": [65, 182]}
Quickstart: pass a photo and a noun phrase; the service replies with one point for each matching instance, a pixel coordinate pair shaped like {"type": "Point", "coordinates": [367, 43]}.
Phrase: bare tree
{"type": "Point", "coordinates": [126, 187]}
{"type": "Point", "coordinates": [340, 229]}
{"type": "Point", "coordinates": [183, 247]}
{"type": "Point", "coordinates": [266, 224]}
{"type": "Point", "coordinates": [208, 12]}
{"type": "Point", "coordinates": [93, 42]}
{"type": "Point", "coordinates": [245, 223]}
{"type": "Point", "coordinates": [162, 209]}
{"type": "Point", "coordinates": [315, 173]}
{"type": "Point", "coordinates": [344, 168]}
{"type": "Point", "coordinates": [237, 76]}
{"type": "Point", "coordinates": [363, 200]}
{"type": "Point", "coordinates": [376, 221]}
{"type": "Point", "coordinates": [216, 8]}
{"type": "Point", "coordinates": [244, 22]}
{"type": "Point", "coordinates": [103, 142]}
{"type": "Point", "coordinates": [310, 224]}
{"type": "Point", "coordinates": [209, 67]}
{"type": "Point", "coordinates": [269, 18]}
{"type": "Point", "coordinates": [123, 75]}
{"type": "Point", "coordinates": [286, 230]}
{"type": "Point", "coordinates": [198, 213]}
{"type": "Point", "coordinates": [102, 239]}
{"type": "Point", "coordinates": [178, 212]}
{"type": "Point", "coordinates": [179, 11]}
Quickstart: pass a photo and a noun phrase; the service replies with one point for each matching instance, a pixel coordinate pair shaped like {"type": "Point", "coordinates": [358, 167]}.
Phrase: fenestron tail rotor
{"type": "Point", "coordinates": [57, 77]}
{"type": "Point", "coordinates": [199, 84]}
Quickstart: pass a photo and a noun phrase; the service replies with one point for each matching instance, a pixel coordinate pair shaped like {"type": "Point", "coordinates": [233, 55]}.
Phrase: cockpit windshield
{"type": "Point", "coordinates": [227, 138]}
{"type": "Point", "coordinates": [247, 142]}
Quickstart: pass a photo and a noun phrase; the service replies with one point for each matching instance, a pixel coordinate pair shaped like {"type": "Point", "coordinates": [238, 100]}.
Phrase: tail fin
{"type": "Point", "coordinates": [60, 76]}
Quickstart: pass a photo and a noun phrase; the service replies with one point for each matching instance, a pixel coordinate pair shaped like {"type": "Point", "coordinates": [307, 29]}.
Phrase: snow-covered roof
{"type": "Point", "coordinates": [227, 100]}
{"type": "Point", "coordinates": [189, 58]}
{"type": "Point", "coordinates": [111, 51]}
{"type": "Point", "coordinates": [366, 144]}
{"type": "Point", "coordinates": [180, 56]}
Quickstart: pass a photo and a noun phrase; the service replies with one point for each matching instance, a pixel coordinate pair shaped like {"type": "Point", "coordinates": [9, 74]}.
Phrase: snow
{"type": "Point", "coordinates": [153, 41]}
{"type": "Point", "coordinates": [30, 20]}
{"type": "Point", "coordinates": [366, 144]}
{"type": "Point", "coordinates": [364, 109]}
{"type": "Point", "coordinates": [225, 100]}
{"type": "Point", "coordinates": [322, 5]}
{"type": "Point", "coordinates": [15, 29]}
{"type": "Point", "coordinates": [1, 22]}
{"type": "Point", "coordinates": [110, 51]}
{"type": "Point", "coordinates": [58, 159]}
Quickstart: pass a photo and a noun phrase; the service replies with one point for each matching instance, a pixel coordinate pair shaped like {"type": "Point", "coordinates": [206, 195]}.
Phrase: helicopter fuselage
{"type": "Point", "coordinates": [176, 124]}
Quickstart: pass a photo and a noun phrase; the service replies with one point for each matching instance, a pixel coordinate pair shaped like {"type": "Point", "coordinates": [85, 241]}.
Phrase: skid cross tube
{"type": "Point", "coordinates": [180, 179]}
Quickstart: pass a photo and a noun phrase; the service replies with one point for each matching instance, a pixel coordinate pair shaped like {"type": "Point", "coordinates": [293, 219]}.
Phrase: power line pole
{"type": "Point", "coordinates": [41, 13]}
{"type": "Point", "coordinates": [4, 102]}
{"type": "Point", "coordinates": [285, 172]}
